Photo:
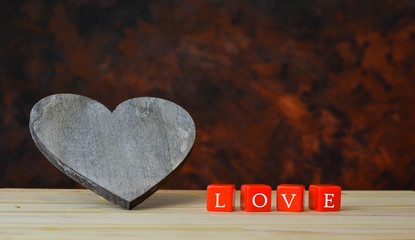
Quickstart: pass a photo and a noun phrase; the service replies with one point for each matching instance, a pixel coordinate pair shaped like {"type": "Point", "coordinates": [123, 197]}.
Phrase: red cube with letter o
{"type": "Point", "coordinates": [256, 198]}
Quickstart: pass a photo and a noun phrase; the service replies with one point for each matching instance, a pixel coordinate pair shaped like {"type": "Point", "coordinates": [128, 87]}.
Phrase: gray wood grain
{"type": "Point", "coordinates": [124, 155]}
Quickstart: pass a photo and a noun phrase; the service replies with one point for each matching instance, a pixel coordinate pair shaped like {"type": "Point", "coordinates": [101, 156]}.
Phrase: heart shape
{"type": "Point", "coordinates": [124, 155]}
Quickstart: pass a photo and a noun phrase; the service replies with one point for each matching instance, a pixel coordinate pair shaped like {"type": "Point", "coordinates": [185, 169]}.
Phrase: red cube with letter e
{"type": "Point", "coordinates": [290, 197]}
{"type": "Point", "coordinates": [256, 198]}
{"type": "Point", "coordinates": [220, 197]}
{"type": "Point", "coordinates": [324, 198]}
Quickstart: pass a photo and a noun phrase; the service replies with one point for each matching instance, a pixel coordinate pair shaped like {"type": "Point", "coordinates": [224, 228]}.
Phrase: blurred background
{"type": "Point", "coordinates": [280, 91]}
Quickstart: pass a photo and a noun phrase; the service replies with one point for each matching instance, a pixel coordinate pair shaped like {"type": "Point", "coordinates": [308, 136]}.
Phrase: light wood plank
{"type": "Point", "coordinates": [178, 214]}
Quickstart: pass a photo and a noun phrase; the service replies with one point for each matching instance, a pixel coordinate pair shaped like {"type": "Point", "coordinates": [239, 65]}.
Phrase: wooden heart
{"type": "Point", "coordinates": [124, 155]}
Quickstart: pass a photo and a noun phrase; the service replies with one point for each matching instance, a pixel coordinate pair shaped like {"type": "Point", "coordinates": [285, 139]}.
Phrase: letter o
{"type": "Point", "coordinates": [263, 205]}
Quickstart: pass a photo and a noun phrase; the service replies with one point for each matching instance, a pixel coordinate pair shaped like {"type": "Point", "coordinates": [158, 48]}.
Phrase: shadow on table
{"type": "Point", "coordinates": [167, 200]}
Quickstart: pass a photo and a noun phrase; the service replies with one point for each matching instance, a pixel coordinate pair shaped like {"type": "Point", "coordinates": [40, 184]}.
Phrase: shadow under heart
{"type": "Point", "coordinates": [170, 199]}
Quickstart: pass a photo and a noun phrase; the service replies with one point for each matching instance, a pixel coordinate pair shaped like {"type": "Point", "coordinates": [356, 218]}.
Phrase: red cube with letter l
{"type": "Point", "coordinates": [220, 197]}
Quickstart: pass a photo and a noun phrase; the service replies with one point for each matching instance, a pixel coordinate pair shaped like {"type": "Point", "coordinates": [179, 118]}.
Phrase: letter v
{"type": "Point", "coordinates": [288, 204]}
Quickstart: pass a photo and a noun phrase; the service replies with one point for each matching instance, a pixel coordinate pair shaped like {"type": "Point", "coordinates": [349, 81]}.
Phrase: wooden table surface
{"type": "Point", "coordinates": [179, 214]}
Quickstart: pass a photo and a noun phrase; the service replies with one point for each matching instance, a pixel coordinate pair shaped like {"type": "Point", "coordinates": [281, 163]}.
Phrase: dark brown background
{"type": "Point", "coordinates": [280, 91]}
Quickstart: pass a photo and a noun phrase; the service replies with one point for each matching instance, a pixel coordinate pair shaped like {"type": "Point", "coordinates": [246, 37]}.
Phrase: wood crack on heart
{"type": "Point", "coordinates": [119, 155]}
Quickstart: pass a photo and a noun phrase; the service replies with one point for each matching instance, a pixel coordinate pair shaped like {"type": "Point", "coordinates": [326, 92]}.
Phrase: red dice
{"type": "Point", "coordinates": [256, 198]}
{"type": "Point", "coordinates": [220, 197]}
{"type": "Point", "coordinates": [324, 198]}
{"type": "Point", "coordinates": [290, 197]}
